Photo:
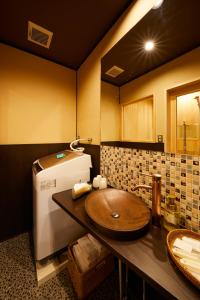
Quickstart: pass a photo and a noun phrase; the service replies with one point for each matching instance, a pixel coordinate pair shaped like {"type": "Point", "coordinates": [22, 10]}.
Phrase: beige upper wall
{"type": "Point", "coordinates": [110, 113]}
{"type": "Point", "coordinates": [89, 74]}
{"type": "Point", "coordinates": [37, 99]}
{"type": "Point", "coordinates": [180, 71]}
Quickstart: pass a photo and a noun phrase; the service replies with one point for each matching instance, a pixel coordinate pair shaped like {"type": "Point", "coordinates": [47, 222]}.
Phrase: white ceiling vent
{"type": "Point", "coordinates": [39, 35]}
{"type": "Point", "coordinates": [114, 71]}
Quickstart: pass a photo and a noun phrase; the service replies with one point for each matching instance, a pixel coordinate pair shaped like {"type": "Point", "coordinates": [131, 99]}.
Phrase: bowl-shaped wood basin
{"type": "Point", "coordinates": [117, 213]}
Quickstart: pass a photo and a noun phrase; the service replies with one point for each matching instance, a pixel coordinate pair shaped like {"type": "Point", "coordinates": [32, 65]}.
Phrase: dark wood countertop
{"type": "Point", "coordinates": [147, 256]}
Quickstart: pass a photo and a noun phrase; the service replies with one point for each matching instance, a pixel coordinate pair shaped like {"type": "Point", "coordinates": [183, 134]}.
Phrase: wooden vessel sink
{"type": "Point", "coordinates": [117, 213]}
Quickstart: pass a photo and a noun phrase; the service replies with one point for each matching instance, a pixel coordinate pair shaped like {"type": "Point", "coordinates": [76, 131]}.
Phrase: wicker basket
{"type": "Point", "coordinates": [179, 233]}
{"type": "Point", "coordinates": [84, 283]}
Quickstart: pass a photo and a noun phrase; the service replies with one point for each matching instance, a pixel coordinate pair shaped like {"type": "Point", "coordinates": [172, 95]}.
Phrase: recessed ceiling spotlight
{"type": "Point", "coordinates": [157, 4]}
{"type": "Point", "coordinates": [149, 45]}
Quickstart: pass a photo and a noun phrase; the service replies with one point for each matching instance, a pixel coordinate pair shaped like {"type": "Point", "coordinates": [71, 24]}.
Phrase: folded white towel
{"type": "Point", "coordinates": [88, 252]}
{"type": "Point", "coordinates": [183, 254]}
{"type": "Point", "coordinates": [182, 245]}
{"type": "Point", "coordinates": [102, 250]}
{"type": "Point", "coordinates": [193, 242]}
{"type": "Point", "coordinates": [191, 265]}
{"type": "Point", "coordinates": [80, 188]}
{"type": "Point", "coordinates": [81, 260]}
{"type": "Point", "coordinates": [88, 249]}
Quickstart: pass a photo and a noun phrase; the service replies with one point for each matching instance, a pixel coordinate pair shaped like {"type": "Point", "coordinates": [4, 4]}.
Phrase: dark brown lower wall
{"type": "Point", "coordinates": [94, 151]}
{"type": "Point", "coordinates": [136, 145]}
{"type": "Point", "coordinates": [16, 183]}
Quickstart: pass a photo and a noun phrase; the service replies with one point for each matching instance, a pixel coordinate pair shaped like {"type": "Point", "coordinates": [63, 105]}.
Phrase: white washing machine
{"type": "Point", "coordinates": [54, 229]}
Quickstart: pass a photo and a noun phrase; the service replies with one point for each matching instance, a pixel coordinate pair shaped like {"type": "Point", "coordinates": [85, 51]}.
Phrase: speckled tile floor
{"type": "Point", "coordinates": [18, 277]}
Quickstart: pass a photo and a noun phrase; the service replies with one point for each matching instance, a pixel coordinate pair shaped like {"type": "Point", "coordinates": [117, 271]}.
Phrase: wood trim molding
{"type": "Point", "coordinates": [135, 145]}
{"type": "Point", "coordinates": [172, 95]}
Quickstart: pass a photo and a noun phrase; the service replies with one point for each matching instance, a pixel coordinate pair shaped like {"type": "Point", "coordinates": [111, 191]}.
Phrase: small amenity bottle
{"type": "Point", "coordinates": [171, 214]}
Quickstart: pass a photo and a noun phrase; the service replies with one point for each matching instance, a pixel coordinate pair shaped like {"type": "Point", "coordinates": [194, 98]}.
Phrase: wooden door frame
{"type": "Point", "coordinates": [172, 95]}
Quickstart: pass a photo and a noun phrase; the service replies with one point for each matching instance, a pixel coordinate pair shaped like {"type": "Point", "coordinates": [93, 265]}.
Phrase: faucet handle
{"type": "Point", "coordinates": [157, 177]}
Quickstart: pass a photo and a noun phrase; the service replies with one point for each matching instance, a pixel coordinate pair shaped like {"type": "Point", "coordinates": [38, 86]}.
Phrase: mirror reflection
{"type": "Point", "coordinates": [188, 117]}
{"type": "Point", "coordinates": [136, 83]}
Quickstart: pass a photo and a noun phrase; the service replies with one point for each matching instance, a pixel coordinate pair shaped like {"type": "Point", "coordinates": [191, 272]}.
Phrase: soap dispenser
{"type": "Point", "coordinates": [171, 214]}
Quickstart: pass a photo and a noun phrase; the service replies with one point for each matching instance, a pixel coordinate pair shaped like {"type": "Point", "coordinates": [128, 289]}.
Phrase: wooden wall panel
{"type": "Point", "coordinates": [16, 183]}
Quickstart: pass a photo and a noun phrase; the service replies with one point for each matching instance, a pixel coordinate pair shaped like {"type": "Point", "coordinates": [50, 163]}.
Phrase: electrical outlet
{"type": "Point", "coordinates": [160, 138]}
{"type": "Point", "coordinates": [106, 170]}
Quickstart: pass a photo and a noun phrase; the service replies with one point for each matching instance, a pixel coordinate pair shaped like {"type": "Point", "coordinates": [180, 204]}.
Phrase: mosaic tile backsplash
{"type": "Point", "coordinates": [125, 168]}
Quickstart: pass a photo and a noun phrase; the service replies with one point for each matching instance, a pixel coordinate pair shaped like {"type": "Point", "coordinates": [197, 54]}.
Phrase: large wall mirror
{"type": "Point", "coordinates": [150, 87]}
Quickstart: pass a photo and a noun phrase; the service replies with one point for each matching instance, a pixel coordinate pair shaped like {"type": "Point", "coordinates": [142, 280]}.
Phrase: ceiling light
{"type": "Point", "coordinates": [149, 45]}
{"type": "Point", "coordinates": [157, 4]}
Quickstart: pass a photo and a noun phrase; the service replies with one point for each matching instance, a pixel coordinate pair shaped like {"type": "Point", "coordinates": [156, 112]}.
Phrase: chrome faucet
{"type": "Point", "coordinates": [156, 198]}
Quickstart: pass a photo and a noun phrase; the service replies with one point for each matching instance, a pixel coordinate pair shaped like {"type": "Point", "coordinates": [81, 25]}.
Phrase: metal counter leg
{"type": "Point", "coordinates": [143, 289]}
{"type": "Point", "coordinates": [120, 279]}
{"type": "Point", "coordinates": [126, 284]}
